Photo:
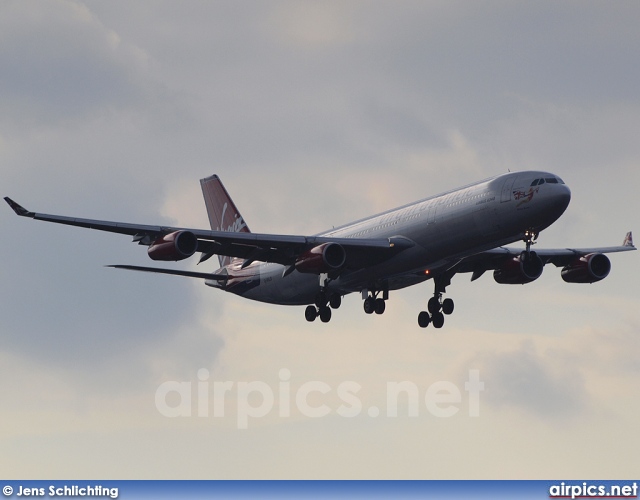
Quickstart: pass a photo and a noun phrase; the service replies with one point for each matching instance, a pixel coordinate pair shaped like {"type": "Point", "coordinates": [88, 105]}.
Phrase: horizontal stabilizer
{"type": "Point", "coordinates": [175, 272]}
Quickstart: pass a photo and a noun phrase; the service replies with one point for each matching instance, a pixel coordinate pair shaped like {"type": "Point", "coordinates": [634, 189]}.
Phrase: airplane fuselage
{"type": "Point", "coordinates": [454, 224]}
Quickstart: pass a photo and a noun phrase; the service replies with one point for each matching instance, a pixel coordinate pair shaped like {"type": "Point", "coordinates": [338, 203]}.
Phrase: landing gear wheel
{"type": "Point", "coordinates": [379, 306]}
{"type": "Point", "coordinates": [310, 313]}
{"type": "Point", "coordinates": [447, 306]}
{"type": "Point", "coordinates": [335, 301]}
{"type": "Point", "coordinates": [325, 314]}
{"type": "Point", "coordinates": [369, 305]}
{"type": "Point", "coordinates": [434, 305]}
{"type": "Point", "coordinates": [438, 320]}
{"type": "Point", "coordinates": [424, 319]}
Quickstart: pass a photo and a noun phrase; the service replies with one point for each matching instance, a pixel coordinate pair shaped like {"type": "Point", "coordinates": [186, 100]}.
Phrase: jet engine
{"type": "Point", "coordinates": [587, 269]}
{"type": "Point", "coordinates": [519, 270]}
{"type": "Point", "coordinates": [322, 259]}
{"type": "Point", "coordinates": [178, 245]}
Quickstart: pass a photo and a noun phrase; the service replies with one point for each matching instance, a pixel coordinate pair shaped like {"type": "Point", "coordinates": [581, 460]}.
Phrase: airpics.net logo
{"type": "Point", "coordinates": [313, 399]}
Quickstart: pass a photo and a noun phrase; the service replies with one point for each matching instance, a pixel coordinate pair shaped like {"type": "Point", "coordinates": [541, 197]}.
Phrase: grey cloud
{"type": "Point", "coordinates": [527, 380]}
{"type": "Point", "coordinates": [60, 64]}
{"type": "Point", "coordinates": [64, 310]}
{"type": "Point", "coordinates": [397, 77]}
{"type": "Point", "coordinates": [611, 351]}
{"type": "Point", "coordinates": [79, 137]}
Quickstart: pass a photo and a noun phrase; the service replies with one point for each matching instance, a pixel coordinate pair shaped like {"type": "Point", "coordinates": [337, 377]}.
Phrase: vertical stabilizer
{"type": "Point", "coordinates": [223, 213]}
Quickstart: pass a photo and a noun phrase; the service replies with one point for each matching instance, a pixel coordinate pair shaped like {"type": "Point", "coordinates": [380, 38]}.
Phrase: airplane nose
{"type": "Point", "coordinates": [562, 197]}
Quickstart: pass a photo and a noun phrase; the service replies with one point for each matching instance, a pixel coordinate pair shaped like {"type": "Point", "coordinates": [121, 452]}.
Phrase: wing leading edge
{"type": "Point", "coordinates": [281, 249]}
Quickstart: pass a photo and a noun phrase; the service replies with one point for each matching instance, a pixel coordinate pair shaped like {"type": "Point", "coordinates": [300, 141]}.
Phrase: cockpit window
{"type": "Point", "coordinates": [548, 180]}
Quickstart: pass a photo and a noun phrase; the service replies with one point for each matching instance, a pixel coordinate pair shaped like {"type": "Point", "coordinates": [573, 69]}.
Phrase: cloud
{"type": "Point", "coordinates": [583, 373]}
{"type": "Point", "coordinates": [82, 117]}
{"type": "Point", "coordinates": [526, 380]}
{"type": "Point", "coordinates": [61, 64]}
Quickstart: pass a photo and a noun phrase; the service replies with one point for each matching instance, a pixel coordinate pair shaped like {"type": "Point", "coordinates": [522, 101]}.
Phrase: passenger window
{"type": "Point", "coordinates": [552, 180]}
{"type": "Point", "coordinates": [535, 183]}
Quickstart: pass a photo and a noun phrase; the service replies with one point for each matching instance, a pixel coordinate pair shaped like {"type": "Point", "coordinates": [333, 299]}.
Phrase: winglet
{"type": "Point", "coordinates": [20, 210]}
{"type": "Point", "coordinates": [628, 240]}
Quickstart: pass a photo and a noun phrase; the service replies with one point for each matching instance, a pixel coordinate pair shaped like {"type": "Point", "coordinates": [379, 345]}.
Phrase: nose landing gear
{"type": "Point", "coordinates": [530, 237]}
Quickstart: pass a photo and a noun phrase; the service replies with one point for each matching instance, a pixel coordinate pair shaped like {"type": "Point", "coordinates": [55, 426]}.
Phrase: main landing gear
{"type": "Point", "coordinates": [373, 303]}
{"type": "Point", "coordinates": [322, 309]}
{"type": "Point", "coordinates": [437, 307]}
{"type": "Point", "coordinates": [324, 302]}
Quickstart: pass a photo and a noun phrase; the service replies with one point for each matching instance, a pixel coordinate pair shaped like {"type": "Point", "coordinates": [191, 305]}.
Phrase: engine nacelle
{"type": "Point", "coordinates": [587, 269]}
{"type": "Point", "coordinates": [520, 270]}
{"type": "Point", "coordinates": [178, 245]}
{"type": "Point", "coordinates": [322, 259]}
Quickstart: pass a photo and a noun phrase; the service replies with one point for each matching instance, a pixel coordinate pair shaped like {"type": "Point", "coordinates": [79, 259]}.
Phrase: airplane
{"type": "Point", "coordinates": [463, 230]}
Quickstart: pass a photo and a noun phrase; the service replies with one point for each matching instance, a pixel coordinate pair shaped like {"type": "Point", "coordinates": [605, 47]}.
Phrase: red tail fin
{"type": "Point", "coordinates": [223, 213]}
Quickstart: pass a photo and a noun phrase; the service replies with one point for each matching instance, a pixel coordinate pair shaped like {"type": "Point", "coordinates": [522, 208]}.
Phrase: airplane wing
{"type": "Point", "coordinates": [174, 272]}
{"type": "Point", "coordinates": [281, 249]}
{"type": "Point", "coordinates": [494, 258]}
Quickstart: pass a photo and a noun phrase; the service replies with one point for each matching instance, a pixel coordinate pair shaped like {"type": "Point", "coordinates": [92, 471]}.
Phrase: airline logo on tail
{"type": "Point", "coordinates": [222, 212]}
{"type": "Point", "coordinates": [236, 226]}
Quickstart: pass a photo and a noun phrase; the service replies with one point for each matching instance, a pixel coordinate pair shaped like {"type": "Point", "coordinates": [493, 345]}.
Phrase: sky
{"type": "Point", "coordinates": [313, 114]}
